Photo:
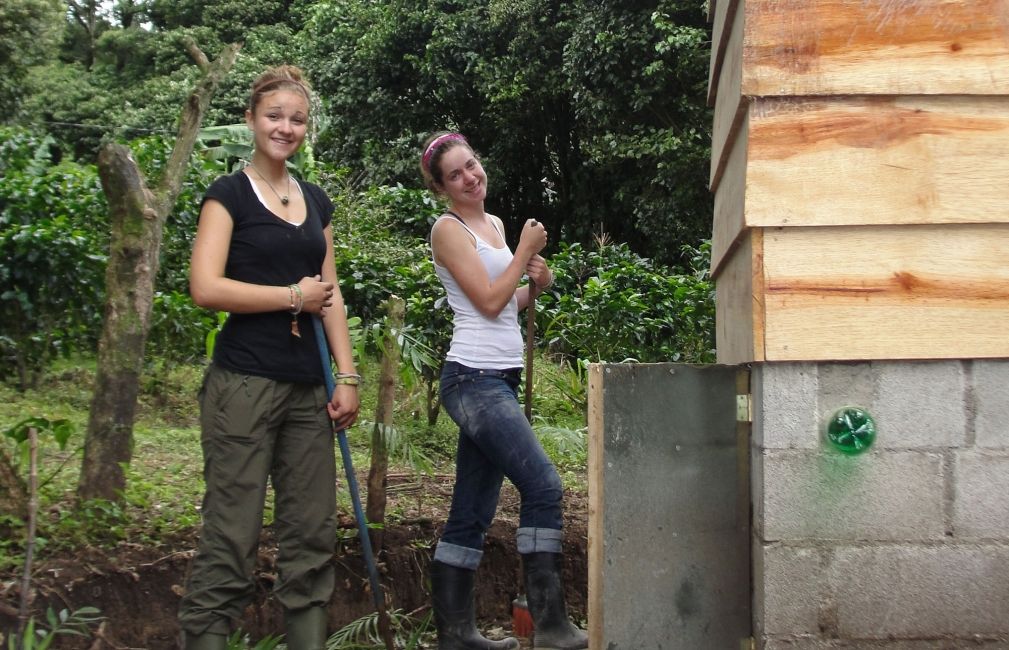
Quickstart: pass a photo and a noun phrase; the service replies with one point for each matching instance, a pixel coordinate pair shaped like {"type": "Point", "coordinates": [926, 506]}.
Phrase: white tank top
{"type": "Point", "coordinates": [478, 341]}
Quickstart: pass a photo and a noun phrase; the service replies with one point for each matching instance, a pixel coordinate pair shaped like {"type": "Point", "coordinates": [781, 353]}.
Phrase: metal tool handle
{"type": "Point", "coordinates": [348, 466]}
{"type": "Point", "coordinates": [530, 343]}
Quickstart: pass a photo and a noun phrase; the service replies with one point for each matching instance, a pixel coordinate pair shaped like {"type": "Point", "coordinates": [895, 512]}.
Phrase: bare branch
{"type": "Point", "coordinates": [189, 126]}
{"type": "Point", "coordinates": [202, 62]}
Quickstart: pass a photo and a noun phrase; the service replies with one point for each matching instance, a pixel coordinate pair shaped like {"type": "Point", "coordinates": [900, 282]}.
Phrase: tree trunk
{"type": "Point", "coordinates": [13, 492]}
{"type": "Point", "coordinates": [433, 402]}
{"type": "Point", "coordinates": [378, 474]}
{"type": "Point", "coordinates": [138, 216]}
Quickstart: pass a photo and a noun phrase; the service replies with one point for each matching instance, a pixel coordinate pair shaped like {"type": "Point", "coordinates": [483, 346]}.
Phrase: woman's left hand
{"type": "Point", "coordinates": [344, 405]}
{"type": "Point", "coordinates": [539, 272]}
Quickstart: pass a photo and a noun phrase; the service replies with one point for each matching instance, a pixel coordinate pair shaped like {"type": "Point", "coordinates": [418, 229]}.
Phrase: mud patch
{"type": "Point", "coordinates": [137, 588]}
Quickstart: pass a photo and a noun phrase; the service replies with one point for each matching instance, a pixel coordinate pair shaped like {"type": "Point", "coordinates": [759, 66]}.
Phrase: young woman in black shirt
{"type": "Point", "coordinates": [264, 254]}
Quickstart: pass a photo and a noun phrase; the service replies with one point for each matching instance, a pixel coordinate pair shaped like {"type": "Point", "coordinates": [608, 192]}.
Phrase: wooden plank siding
{"type": "Point", "coordinates": [889, 47]}
{"type": "Point", "coordinates": [860, 170]}
{"type": "Point", "coordinates": [886, 292]}
{"type": "Point", "coordinates": [730, 200]}
{"type": "Point", "coordinates": [878, 160]}
{"type": "Point", "coordinates": [739, 303]}
{"type": "Point", "coordinates": [722, 15]}
{"type": "Point", "coordinates": [730, 103]}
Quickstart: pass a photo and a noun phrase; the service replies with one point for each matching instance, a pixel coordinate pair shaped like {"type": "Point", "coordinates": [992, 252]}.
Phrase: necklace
{"type": "Point", "coordinates": [284, 199]}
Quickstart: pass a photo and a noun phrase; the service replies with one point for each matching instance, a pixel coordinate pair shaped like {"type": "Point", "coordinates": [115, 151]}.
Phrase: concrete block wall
{"type": "Point", "coordinates": [905, 546]}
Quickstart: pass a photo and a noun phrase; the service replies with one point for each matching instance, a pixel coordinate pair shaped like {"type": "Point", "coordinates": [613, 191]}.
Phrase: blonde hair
{"type": "Point", "coordinates": [281, 77]}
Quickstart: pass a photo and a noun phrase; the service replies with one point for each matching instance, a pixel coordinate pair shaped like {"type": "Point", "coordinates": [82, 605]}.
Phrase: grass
{"type": "Point", "coordinates": [164, 478]}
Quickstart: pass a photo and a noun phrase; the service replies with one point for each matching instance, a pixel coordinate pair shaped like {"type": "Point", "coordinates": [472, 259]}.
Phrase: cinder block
{"type": "Point", "coordinates": [991, 396]}
{"type": "Point", "coordinates": [981, 501]}
{"type": "Point", "coordinates": [784, 414]}
{"type": "Point", "coordinates": [845, 384]}
{"type": "Point", "coordinates": [823, 495]}
{"type": "Point", "coordinates": [920, 404]}
{"type": "Point", "coordinates": [921, 591]}
{"type": "Point", "coordinates": [789, 585]}
{"type": "Point", "coordinates": [757, 492]}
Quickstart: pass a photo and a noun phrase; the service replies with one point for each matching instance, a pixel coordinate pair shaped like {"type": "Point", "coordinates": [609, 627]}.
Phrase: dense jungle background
{"type": "Point", "coordinates": [590, 116]}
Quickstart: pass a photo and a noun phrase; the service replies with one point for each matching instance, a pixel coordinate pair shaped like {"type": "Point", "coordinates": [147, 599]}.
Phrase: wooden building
{"type": "Point", "coordinates": [860, 171]}
{"type": "Point", "coordinates": [860, 250]}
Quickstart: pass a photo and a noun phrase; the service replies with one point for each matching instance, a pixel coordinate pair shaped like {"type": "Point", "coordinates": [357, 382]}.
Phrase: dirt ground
{"type": "Point", "coordinates": [137, 588]}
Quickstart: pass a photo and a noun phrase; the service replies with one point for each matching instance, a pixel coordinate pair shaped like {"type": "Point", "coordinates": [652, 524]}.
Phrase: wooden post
{"type": "Point", "coordinates": [378, 473]}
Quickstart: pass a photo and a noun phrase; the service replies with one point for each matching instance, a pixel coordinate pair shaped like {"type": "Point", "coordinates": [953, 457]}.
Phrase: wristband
{"type": "Point", "coordinates": [347, 379]}
{"type": "Point", "coordinates": [296, 309]}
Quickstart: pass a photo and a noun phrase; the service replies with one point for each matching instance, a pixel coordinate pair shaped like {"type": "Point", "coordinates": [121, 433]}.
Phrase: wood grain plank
{"type": "Point", "coordinates": [894, 160]}
{"type": "Point", "coordinates": [728, 218]}
{"type": "Point", "coordinates": [722, 16]}
{"type": "Point", "coordinates": [739, 304]}
{"type": "Point", "coordinates": [730, 104]}
{"type": "Point", "coordinates": [831, 47]}
{"type": "Point", "coordinates": [891, 292]}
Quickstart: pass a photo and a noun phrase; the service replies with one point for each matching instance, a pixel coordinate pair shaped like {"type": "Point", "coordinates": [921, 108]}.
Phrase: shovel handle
{"type": "Point", "coordinates": [530, 343]}
{"type": "Point", "coordinates": [362, 523]}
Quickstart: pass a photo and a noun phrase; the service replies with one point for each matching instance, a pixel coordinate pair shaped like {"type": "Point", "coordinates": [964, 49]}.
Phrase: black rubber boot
{"type": "Point", "coordinates": [306, 628]}
{"type": "Point", "coordinates": [205, 641]}
{"type": "Point", "coordinates": [455, 612]}
{"type": "Point", "coordinates": [545, 594]}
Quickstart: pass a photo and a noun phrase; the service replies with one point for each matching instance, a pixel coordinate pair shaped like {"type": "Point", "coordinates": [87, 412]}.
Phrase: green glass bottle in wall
{"type": "Point", "coordinates": [851, 430]}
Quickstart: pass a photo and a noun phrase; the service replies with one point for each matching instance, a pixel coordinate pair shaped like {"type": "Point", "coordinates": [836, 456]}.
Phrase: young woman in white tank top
{"type": "Point", "coordinates": [479, 390]}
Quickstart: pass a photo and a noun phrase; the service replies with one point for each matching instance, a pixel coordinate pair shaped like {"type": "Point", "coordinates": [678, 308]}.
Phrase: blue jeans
{"type": "Point", "coordinates": [495, 440]}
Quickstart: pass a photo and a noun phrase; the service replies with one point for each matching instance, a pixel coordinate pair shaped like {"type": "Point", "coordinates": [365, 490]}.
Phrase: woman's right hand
{"type": "Point", "coordinates": [317, 295]}
{"type": "Point", "coordinates": [533, 238]}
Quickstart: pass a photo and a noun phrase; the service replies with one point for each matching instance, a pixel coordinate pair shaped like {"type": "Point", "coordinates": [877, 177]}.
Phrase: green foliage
{"type": "Point", "coordinates": [640, 79]}
{"type": "Point", "coordinates": [61, 430]}
{"type": "Point", "coordinates": [240, 641]}
{"type": "Point", "coordinates": [178, 328]}
{"type": "Point", "coordinates": [403, 450]}
{"type": "Point", "coordinates": [28, 33]}
{"type": "Point", "coordinates": [52, 262]}
{"type": "Point", "coordinates": [380, 251]}
{"type": "Point", "coordinates": [92, 521]}
{"type": "Point", "coordinates": [590, 116]}
{"type": "Point", "coordinates": [612, 305]}
{"type": "Point", "coordinates": [63, 99]}
{"type": "Point", "coordinates": [363, 633]}
{"type": "Point", "coordinates": [566, 447]}
{"type": "Point", "coordinates": [64, 623]}
{"type": "Point", "coordinates": [570, 379]}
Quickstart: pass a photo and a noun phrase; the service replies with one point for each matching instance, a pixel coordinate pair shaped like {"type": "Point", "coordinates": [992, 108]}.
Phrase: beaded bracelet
{"type": "Point", "coordinates": [296, 308]}
{"type": "Point", "coordinates": [295, 289]}
{"type": "Point", "coordinates": [347, 379]}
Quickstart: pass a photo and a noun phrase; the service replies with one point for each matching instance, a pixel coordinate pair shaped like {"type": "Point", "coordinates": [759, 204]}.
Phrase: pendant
{"type": "Point", "coordinates": [294, 327]}
{"type": "Point", "coordinates": [285, 200]}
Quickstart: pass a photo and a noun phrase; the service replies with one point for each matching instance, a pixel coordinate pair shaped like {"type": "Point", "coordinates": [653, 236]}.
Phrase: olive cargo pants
{"type": "Point", "coordinates": [255, 429]}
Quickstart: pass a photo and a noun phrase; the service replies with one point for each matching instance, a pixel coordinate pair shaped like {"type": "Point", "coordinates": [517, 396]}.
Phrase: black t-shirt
{"type": "Point", "coordinates": [267, 250]}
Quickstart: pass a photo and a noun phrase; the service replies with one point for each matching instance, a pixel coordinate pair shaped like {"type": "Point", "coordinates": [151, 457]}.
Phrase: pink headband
{"type": "Point", "coordinates": [437, 142]}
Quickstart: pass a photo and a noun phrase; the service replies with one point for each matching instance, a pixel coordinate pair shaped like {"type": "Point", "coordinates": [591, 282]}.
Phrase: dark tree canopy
{"type": "Point", "coordinates": [591, 115]}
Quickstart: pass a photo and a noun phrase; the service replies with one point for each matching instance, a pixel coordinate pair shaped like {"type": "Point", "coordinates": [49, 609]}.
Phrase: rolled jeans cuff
{"type": "Point", "coordinates": [461, 557]}
{"type": "Point", "coordinates": [539, 540]}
